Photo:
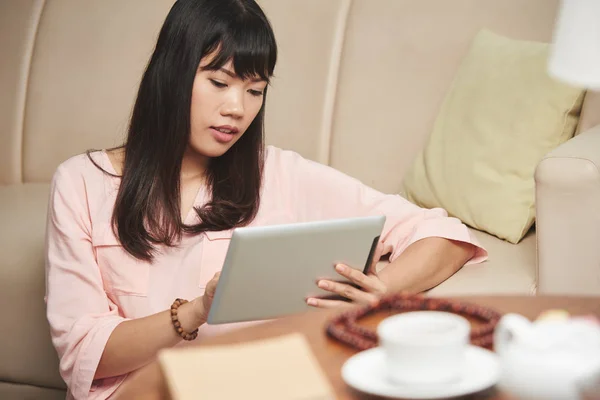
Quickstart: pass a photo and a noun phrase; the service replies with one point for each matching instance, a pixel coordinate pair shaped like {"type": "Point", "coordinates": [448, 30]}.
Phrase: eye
{"type": "Point", "coordinates": [256, 93]}
{"type": "Point", "coordinates": [218, 84]}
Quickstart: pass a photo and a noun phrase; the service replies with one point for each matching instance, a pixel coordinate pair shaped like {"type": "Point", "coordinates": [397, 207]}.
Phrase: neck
{"type": "Point", "coordinates": [193, 166]}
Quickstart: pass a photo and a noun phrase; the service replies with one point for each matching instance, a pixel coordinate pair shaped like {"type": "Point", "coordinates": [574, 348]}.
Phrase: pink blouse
{"type": "Point", "coordinates": [93, 284]}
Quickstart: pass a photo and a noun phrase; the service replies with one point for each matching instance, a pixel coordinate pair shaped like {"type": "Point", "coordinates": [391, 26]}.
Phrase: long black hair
{"type": "Point", "coordinates": [147, 209]}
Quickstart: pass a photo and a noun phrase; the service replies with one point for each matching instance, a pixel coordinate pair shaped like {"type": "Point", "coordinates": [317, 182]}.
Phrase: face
{"type": "Point", "coordinates": [223, 106]}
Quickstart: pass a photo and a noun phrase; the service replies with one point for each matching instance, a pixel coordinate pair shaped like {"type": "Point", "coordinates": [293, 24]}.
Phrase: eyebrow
{"type": "Point", "coordinates": [233, 75]}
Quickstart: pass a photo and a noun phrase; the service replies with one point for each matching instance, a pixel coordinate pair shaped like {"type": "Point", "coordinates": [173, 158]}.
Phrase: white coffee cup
{"type": "Point", "coordinates": [424, 347]}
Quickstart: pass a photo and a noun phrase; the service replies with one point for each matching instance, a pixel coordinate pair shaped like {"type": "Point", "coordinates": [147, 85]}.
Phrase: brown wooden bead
{"type": "Point", "coordinates": [177, 325]}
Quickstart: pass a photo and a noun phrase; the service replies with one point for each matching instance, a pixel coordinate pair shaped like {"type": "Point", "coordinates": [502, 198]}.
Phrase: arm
{"type": "Point", "coordinates": [425, 247]}
{"type": "Point", "coordinates": [567, 217]}
{"type": "Point", "coordinates": [134, 343]}
{"type": "Point", "coordinates": [426, 264]}
{"type": "Point", "coordinates": [91, 337]}
{"type": "Point", "coordinates": [420, 267]}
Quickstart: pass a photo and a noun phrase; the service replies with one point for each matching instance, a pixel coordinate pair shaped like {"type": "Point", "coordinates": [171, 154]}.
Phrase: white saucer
{"type": "Point", "coordinates": [365, 372]}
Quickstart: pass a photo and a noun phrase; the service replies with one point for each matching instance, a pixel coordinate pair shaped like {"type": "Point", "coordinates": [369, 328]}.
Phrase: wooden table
{"type": "Point", "coordinates": [148, 383]}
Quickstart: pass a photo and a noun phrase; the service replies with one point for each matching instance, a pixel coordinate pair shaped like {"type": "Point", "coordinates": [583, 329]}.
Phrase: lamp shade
{"type": "Point", "coordinates": [575, 50]}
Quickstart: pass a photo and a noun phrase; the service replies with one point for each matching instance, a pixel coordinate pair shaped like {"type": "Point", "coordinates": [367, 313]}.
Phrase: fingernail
{"type": "Point", "coordinates": [311, 302]}
{"type": "Point", "coordinates": [340, 268]}
{"type": "Point", "coordinates": [323, 285]}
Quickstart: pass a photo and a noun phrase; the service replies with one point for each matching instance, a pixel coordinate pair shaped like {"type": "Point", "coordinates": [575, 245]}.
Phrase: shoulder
{"type": "Point", "coordinates": [277, 156]}
{"type": "Point", "coordinates": [81, 168]}
{"type": "Point", "coordinates": [284, 167]}
{"type": "Point", "coordinates": [295, 166]}
{"type": "Point", "coordinates": [84, 188]}
{"type": "Point", "coordinates": [85, 182]}
{"type": "Point", "coordinates": [283, 160]}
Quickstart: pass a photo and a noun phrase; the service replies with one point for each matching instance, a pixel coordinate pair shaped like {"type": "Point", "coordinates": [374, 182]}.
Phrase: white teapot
{"type": "Point", "coordinates": [546, 359]}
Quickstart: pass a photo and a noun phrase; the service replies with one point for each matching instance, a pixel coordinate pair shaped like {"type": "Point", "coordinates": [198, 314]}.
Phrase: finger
{"type": "Point", "coordinates": [210, 290]}
{"type": "Point", "coordinates": [376, 257]}
{"type": "Point", "coordinates": [215, 279]}
{"type": "Point", "coordinates": [370, 283]}
{"type": "Point", "coordinates": [348, 291]}
{"type": "Point", "coordinates": [380, 287]}
{"type": "Point", "coordinates": [324, 303]}
{"type": "Point", "coordinates": [211, 287]}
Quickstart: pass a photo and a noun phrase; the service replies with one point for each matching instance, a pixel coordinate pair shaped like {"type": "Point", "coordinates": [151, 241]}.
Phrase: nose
{"type": "Point", "coordinates": [233, 105]}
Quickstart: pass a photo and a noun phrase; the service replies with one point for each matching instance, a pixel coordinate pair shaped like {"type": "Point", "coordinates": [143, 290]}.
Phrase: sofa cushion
{"type": "Point", "coordinates": [25, 333]}
{"type": "Point", "coordinates": [502, 114]}
{"type": "Point", "coordinates": [13, 391]}
{"type": "Point", "coordinates": [510, 269]}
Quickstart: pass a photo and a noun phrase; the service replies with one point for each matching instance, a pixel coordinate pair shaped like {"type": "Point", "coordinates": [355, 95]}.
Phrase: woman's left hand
{"type": "Point", "coordinates": [370, 289]}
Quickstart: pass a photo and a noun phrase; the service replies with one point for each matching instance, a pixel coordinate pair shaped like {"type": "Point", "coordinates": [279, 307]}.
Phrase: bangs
{"type": "Point", "coordinates": [249, 45]}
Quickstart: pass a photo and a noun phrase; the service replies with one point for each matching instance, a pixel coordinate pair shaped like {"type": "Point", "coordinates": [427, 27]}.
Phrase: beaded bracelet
{"type": "Point", "coordinates": [177, 325]}
{"type": "Point", "coordinates": [345, 328]}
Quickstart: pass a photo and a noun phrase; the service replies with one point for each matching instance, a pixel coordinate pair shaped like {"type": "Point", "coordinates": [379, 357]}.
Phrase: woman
{"type": "Point", "coordinates": [133, 228]}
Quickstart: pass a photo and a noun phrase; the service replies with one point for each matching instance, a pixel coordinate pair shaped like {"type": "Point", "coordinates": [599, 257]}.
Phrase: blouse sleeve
{"type": "Point", "coordinates": [80, 314]}
{"type": "Point", "coordinates": [321, 192]}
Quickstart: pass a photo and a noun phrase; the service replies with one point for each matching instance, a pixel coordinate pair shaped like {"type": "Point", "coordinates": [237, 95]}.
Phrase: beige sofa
{"type": "Point", "coordinates": [358, 86]}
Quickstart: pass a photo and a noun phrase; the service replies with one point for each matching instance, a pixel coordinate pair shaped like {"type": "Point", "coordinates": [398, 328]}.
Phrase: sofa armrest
{"type": "Point", "coordinates": [568, 217]}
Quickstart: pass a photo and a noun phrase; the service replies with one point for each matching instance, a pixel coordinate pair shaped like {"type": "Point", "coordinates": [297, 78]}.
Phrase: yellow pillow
{"type": "Point", "coordinates": [502, 114]}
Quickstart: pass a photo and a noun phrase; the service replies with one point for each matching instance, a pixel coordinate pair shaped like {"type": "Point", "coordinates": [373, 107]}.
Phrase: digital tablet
{"type": "Point", "coordinates": [269, 271]}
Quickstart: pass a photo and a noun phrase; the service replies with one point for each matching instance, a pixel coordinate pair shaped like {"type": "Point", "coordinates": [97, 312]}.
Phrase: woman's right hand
{"type": "Point", "coordinates": [203, 303]}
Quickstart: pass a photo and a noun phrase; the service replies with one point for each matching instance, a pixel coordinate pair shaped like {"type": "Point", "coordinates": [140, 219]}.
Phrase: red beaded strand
{"type": "Point", "coordinates": [345, 327]}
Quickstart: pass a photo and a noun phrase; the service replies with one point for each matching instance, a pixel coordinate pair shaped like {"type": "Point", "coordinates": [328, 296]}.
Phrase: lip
{"type": "Point", "coordinates": [221, 137]}
{"type": "Point", "coordinates": [233, 129]}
